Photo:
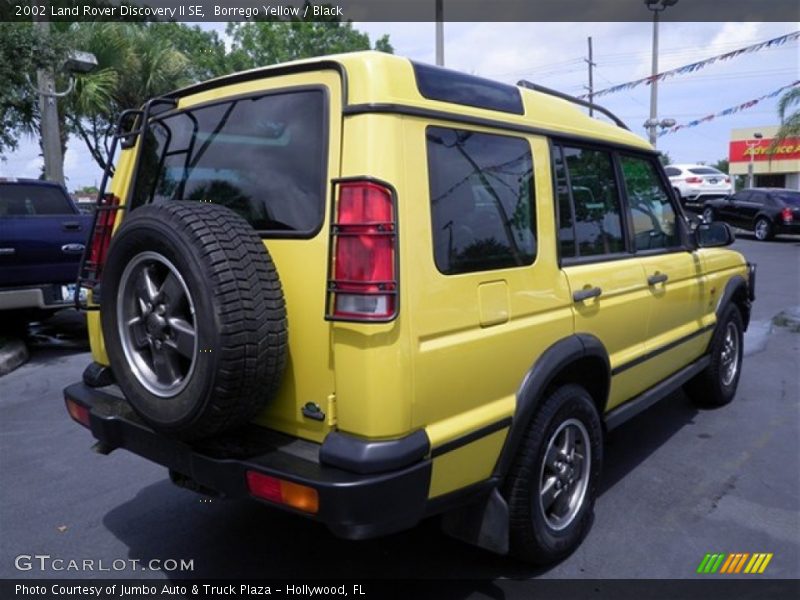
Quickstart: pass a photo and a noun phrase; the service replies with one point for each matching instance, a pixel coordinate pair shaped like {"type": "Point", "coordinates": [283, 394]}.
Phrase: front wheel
{"type": "Point", "coordinates": [552, 484]}
{"type": "Point", "coordinates": [716, 385]}
{"type": "Point", "coordinates": [763, 230]}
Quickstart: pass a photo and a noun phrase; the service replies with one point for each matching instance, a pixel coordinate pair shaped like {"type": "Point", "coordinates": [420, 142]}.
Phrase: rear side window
{"type": "Point", "coordinates": [20, 200]}
{"type": "Point", "coordinates": [595, 203]}
{"type": "Point", "coordinates": [436, 83]}
{"type": "Point", "coordinates": [672, 171]}
{"type": "Point", "coordinates": [263, 157]}
{"type": "Point", "coordinates": [482, 206]}
{"type": "Point", "coordinates": [654, 224]}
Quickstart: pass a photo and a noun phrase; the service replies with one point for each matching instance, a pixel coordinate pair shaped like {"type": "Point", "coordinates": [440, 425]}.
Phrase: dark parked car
{"type": "Point", "coordinates": [765, 211]}
{"type": "Point", "coordinates": [42, 237]}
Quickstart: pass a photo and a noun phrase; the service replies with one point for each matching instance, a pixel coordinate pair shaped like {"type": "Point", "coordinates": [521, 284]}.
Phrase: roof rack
{"type": "Point", "coordinates": [575, 100]}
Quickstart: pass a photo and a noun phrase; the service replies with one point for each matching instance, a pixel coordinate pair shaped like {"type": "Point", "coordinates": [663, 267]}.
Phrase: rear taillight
{"type": "Point", "coordinates": [280, 491]}
{"type": "Point", "coordinates": [101, 236]}
{"type": "Point", "coordinates": [78, 412]}
{"type": "Point", "coordinates": [787, 215]}
{"type": "Point", "coordinates": [694, 180]}
{"type": "Point", "coordinates": [727, 180]}
{"type": "Point", "coordinates": [362, 281]}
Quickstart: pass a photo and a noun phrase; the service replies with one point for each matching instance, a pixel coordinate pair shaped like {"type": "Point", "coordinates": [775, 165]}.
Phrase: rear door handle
{"type": "Point", "coordinates": [657, 278]}
{"type": "Point", "coordinates": [73, 248]}
{"type": "Point", "coordinates": [585, 294]}
{"type": "Point", "coordinates": [71, 226]}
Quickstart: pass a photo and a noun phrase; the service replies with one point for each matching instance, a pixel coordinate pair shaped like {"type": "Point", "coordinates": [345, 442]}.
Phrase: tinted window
{"type": "Point", "coordinates": [481, 190]}
{"type": "Point", "coordinates": [437, 83]}
{"type": "Point", "coordinates": [598, 224]}
{"type": "Point", "coordinates": [741, 196]}
{"type": "Point", "coordinates": [672, 171]}
{"type": "Point", "coordinates": [566, 223]}
{"type": "Point", "coordinates": [790, 199]}
{"type": "Point", "coordinates": [705, 171]}
{"type": "Point", "coordinates": [262, 157]}
{"type": "Point", "coordinates": [758, 198]}
{"type": "Point", "coordinates": [654, 223]}
{"type": "Point", "coordinates": [31, 200]}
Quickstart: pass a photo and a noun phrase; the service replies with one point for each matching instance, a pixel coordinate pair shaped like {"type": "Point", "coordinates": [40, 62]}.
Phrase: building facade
{"type": "Point", "coordinates": [778, 168]}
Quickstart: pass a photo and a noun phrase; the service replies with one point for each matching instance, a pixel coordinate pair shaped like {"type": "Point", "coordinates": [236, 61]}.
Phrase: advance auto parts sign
{"type": "Point", "coordinates": [740, 150]}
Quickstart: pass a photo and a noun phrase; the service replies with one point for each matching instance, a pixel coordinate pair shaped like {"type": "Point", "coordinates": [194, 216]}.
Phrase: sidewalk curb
{"type": "Point", "coordinates": [12, 355]}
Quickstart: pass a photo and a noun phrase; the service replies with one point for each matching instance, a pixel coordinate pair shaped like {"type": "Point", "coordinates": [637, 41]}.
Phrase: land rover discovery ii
{"type": "Point", "coordinates": [369, 291]}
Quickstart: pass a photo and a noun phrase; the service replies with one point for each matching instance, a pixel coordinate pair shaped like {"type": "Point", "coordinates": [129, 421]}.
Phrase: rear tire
{"type": "Point", "coordinates": [708, 214]}
{"type": "Point", "coordinates": [716, 384]}
{"type": "Point", "coordinates": [763, 229]}
{"type": "Point", "coordinates": [193, 318]}
{"type": "Point", "coordinates": [552, 484]}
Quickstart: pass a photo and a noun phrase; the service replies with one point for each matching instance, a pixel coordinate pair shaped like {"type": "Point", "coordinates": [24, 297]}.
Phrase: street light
{"type": "Point", "coordinates": [751, 147]}
{"type": "Point", "coordinates": [76, 62]}
{"type": "Point", "coordinates": [656, 6]}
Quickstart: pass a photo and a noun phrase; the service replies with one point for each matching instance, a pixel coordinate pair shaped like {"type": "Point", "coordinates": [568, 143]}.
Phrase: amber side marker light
{"type": "Point", "coordinates": [276, 490]}
{"type": "Point", "coordinates": [78, 413]}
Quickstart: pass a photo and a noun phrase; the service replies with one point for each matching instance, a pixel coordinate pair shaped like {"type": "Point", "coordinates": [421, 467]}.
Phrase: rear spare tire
{"type": "Point", "coordinates": [193, 317]}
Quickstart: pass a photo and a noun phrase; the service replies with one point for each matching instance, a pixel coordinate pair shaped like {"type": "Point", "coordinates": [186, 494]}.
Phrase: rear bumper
{"type": "Point", "coordinates": [788, 228]}
{"type": "Point", "coordinates": [352, 505]}
{"type": "Point", "coordinates": [44, 296]}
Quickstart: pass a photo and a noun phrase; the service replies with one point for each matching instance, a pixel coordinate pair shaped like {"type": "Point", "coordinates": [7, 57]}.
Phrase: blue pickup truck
{"type": "Point", "coordinates": [42, 237]}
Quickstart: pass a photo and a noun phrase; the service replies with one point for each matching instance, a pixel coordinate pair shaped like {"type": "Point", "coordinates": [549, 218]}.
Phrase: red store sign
{"type": "Point", "coordinates": [740, 150]}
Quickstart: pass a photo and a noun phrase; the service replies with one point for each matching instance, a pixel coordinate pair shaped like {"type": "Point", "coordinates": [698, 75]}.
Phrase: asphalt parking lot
{"type": "Point", "coordinates": [678, 483]}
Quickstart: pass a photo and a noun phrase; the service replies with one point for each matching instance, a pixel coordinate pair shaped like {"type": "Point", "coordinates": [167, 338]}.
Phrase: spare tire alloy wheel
{"type": "Point", "coordinates": [156, 320]}
{"type": "Point", "coordinates": [193, 318]}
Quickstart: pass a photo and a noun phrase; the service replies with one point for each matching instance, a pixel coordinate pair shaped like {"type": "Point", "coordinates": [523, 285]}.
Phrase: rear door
{"type": "Point", "coordinates": [606, 280]}
{"type": "Point", "coordinates": [674, 274]}
{"type": "Point", "coordinates": [267, 149]}
{"type": "Point", "coordinates": [41, 235]}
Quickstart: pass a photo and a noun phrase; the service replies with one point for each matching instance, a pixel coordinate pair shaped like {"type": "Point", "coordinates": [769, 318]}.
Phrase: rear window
{"type": "Point", "coordinates": [704, 171]}
{"type": "Point", "coordinates": [20, 200]}
{"type": "Point", "coordinates": [263, 157]}
{"type": "Point", "coordinates": [790, 199]}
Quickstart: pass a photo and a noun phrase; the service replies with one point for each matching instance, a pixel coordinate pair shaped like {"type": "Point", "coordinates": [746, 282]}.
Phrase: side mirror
{"type": "Point", "coordinates": [713, 235]}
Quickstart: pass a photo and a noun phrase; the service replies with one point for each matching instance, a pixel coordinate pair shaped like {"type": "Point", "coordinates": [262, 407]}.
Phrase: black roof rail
{"type": "Point", "coordinates": [575, 100]}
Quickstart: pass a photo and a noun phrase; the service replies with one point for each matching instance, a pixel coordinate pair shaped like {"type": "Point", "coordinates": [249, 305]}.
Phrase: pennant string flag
{"type": "Point", "coordinates": [729, 111]}
{"type": "Point", "coordinates": [691, 68]}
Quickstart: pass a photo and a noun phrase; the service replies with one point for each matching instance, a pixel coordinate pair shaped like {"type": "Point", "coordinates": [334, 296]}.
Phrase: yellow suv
{"type": "Point", "coordinates": [369, 291]}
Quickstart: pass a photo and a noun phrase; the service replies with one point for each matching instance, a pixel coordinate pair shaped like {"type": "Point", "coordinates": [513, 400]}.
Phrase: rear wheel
{"type": "Point", "coordinates": [193, 318]}
{"type": "Point", "coordinates": [763, 229]}
{"type": "Point", "coordinates": [552, 484]}
{"type": "Point", "coordinates": [716, 385]}
{"type": "Point", "coordinates": [708, 214]}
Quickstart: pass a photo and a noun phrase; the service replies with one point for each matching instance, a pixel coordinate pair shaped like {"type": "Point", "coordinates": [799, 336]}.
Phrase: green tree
{"type": "Point", "coordinates": [790, 122]}
{"type": "Point", "coordinates": [257, 44]}
{"type": "Point", "coordinates": [722, 165]}
{"type": "Point", "coordinates": [22, 51]}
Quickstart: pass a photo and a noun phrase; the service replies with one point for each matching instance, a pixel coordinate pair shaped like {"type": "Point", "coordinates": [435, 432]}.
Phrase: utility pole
{"type": "Point", "coordinates": [48, 110]}
{"type": "Point", "coordinates": [439, 33]}
{"type": "Point", "coordinates": [591, 80]}
{"type": "Point", "coordinates": [656, 6]}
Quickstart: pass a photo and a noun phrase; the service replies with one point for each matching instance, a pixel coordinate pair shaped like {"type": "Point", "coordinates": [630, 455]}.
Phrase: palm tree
{"type": "Point", "coordinates": [790, 124]}
{"type": "Point", "coordinates": [134, 64]}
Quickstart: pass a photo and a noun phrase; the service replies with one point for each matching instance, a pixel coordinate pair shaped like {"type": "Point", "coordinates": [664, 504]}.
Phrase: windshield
{"type": "Point", "coordinates": [263, 157]}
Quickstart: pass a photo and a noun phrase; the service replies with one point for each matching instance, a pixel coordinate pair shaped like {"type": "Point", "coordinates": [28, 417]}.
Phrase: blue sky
{"type": "Point", "coordinates": [552, 54]}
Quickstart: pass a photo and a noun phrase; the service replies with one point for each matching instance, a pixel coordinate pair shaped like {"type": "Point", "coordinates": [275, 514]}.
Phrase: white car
{"type": "Point", "coordinates": [695, 183]}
